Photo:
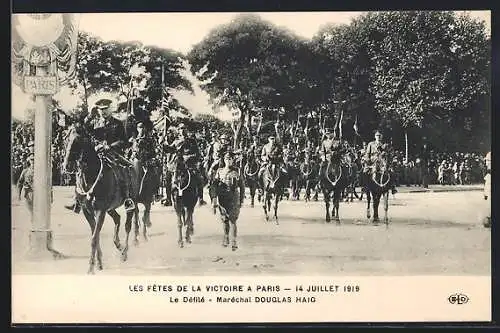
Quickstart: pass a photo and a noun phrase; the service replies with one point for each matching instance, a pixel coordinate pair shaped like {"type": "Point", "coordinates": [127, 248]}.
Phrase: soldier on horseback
{"type": "Point", "coordinates": [373, 152]}
{"type": "Point", "coordinates": [271, 153]}
{"type": "Point", "coordinates": [218, 150]}
{"type": "Point", "coordinates": [110, 140]}
{"type": "Point", "coordinates": [143, 150]}
{"type": "Point", "coordinates": [188, 153]}
{"type": "Point", "coordinates": [331, 148]}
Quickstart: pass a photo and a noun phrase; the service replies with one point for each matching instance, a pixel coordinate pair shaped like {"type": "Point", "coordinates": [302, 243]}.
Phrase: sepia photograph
{"type": "Point", "coordinates": [307, 146]}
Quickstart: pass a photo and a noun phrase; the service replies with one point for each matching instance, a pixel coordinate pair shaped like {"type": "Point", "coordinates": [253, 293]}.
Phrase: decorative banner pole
{"type": "Point", "coordinates": [44, 57]}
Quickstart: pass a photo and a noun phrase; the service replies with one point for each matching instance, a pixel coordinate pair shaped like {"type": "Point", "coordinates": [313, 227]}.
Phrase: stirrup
{"type": "Point", "coordinates": [129, 204]}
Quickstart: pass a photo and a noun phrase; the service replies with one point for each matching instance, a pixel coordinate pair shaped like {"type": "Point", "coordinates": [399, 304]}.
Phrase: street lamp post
{"type": "Point", "coordinates": [43, 48]}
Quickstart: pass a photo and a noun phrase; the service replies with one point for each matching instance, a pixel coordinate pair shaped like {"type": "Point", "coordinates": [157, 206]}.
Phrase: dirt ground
{"type": "Point", "coordinates": [432, 233]}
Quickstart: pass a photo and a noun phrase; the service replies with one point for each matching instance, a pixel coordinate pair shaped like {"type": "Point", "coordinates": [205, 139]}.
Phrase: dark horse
{"type": "Point", "coordinates": [308, 177]}
{"type": "Point", "coordinates": [99, 191]}
{"type": "Point", "coordinates": [377, 183]}
{"type": "Point", "coordinates": [334, 178]}
{"type": "Point", "coordinates": [184, 198]}
{"type": "Point", "coordinates": [273, 181]}
{"type": "Point", "coordinates": [250, 171]}
{"type": "Point", "coordinates": [149, 184]}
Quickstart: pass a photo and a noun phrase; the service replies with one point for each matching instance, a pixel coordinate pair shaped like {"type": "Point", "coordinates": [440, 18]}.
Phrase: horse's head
{"type": "Point", "coordinates": [78, 149]}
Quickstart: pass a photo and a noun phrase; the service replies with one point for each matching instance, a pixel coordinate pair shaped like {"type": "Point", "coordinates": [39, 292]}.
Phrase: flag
{"type": "Point", "coordinates": [356, 125]}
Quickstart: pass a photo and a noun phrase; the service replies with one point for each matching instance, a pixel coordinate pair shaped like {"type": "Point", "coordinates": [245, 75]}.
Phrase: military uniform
{"type": "Point", "coordinates": [218, 151]}
{"type": "Point", "coordinates": [271, 153]}
{"type": "Point", "coordinates": [232, 192]}
{"type": "Point", "coordinates": [329, 147]}
{"type": "Point", "coordinates": [111, 140]}
{"type": "Point", "coordinates": [187, 148]}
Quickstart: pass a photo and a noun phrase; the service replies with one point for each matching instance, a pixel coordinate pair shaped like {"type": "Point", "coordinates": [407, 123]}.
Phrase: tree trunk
{"type": "Point", "coordinates": [406, 146]}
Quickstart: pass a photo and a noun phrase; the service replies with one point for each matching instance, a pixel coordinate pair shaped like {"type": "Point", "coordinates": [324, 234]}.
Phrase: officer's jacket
{"type": "Point", "coordinates": [109, 130]}
{"type": "Point", "coordinates": [373, 150]}
{"type": "Point", "coordinates": [270, 150]}
{"type": "Point", "coordinates": [143, 147]}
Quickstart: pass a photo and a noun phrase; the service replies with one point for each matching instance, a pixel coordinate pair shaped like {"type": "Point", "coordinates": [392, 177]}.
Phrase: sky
{"type": "Point", "coordinates": [180, 31]}
{"type": "Point", "coordinates": [191, 28]}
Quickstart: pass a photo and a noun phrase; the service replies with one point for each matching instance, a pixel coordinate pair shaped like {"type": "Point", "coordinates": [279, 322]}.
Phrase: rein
{"type": "Point", "coordinates": [143, 177]}
{"type": "Point", "coordinates": [188, 182]}
{"type": "Point", "coordinates": [247, 167]}
{"type": "Point", "coordinates": [272, 181]}
{"type": "Point", "coordinates": [334, 183]}
{"type": "Point", "coordinates": [80, 175]}
{"type": "Point", "coordinates": [380, 184]}
{"type": "Point", "coordinates": [305, 173]}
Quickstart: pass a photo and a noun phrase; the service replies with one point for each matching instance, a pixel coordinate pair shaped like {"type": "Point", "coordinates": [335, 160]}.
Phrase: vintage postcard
{"type": "Point", "coordinates": [251, 167]}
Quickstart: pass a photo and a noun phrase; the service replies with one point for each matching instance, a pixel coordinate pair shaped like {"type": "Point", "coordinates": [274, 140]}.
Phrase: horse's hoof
{"type": "Point", "coordinates": [124, 257]}
{"type": "Point", "coordinates": [99, 267]}
{"type": "Point", "coordinates": [146, 239]}
{"type": "Point", "coordinates": [234, 247]}
{"type": "Point", "coordinates": [148, 224]}
{"type": "Point", "coordinates": [136, 242]}
{"type": "Point", "coordinates": [252, 205]}
{"type": "Point", "coordinates": [91, 271]}
{"type": "Point", "coordinates": [181, 245]}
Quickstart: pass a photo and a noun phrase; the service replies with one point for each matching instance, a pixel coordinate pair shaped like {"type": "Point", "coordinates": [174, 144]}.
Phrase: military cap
{"type": "Point", "coordinates": [103, 103]}
{"type": "Point", "coordinates": [229, 154]}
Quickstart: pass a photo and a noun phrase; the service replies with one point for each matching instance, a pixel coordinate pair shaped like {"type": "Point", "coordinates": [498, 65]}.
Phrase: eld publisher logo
{"type": "Point", "coordinates": [458, 299]}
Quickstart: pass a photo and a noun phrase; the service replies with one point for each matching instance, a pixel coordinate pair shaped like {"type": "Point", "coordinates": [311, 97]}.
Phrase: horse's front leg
{"type": "Point", "coordinates": [128, 227]}
{"type": "Point", "coordinates": [180, 224]}
{"type": "Point", "coordinates": [190, 225]}
{"type": "Point", "coordinates": [368, 201]}
{"type": "Point", "coordinates": [252, 195]}
{"type": "Point", "coordinates": [336, 203]}
{"type": "Point", "coordinates": [307, 197]}
{"type": "Point", "coordinates": [386, 208]}
{"type": "Point", "coordinates": [376, 203]}
{"type": "Point", "coordinates": [96, 247]}
{"type": "Point", "coordinates": [265, 201]}
{"type": "Point", "coordinates": [326, 199]}
{"type": "Point", "coordinates": [91, 220]}
{"type": "Point", "coordinates": [135, 217]}
{"type": "Point", "coordinates": [116, 219]}
{"type": "Point", "coordinates": [275, 207]}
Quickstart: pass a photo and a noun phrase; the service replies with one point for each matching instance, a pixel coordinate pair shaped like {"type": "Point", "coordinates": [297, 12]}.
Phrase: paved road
{"type": "Point", "coordinates": [429, 233]}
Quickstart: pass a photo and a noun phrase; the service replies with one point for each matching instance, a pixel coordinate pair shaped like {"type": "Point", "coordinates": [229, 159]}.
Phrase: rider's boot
{"type": "Point", "coordinates": [260, 181]}
{"type": "Point", "coordinates": [74, 207]}
{"type": "Point", "coordinates": [127, 190]}
{"type": "Point", "coordinates": [201, 202]}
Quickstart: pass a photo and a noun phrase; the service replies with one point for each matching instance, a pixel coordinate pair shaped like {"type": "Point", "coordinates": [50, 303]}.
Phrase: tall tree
{"type": "Point", "coordinates": [248, 64]}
